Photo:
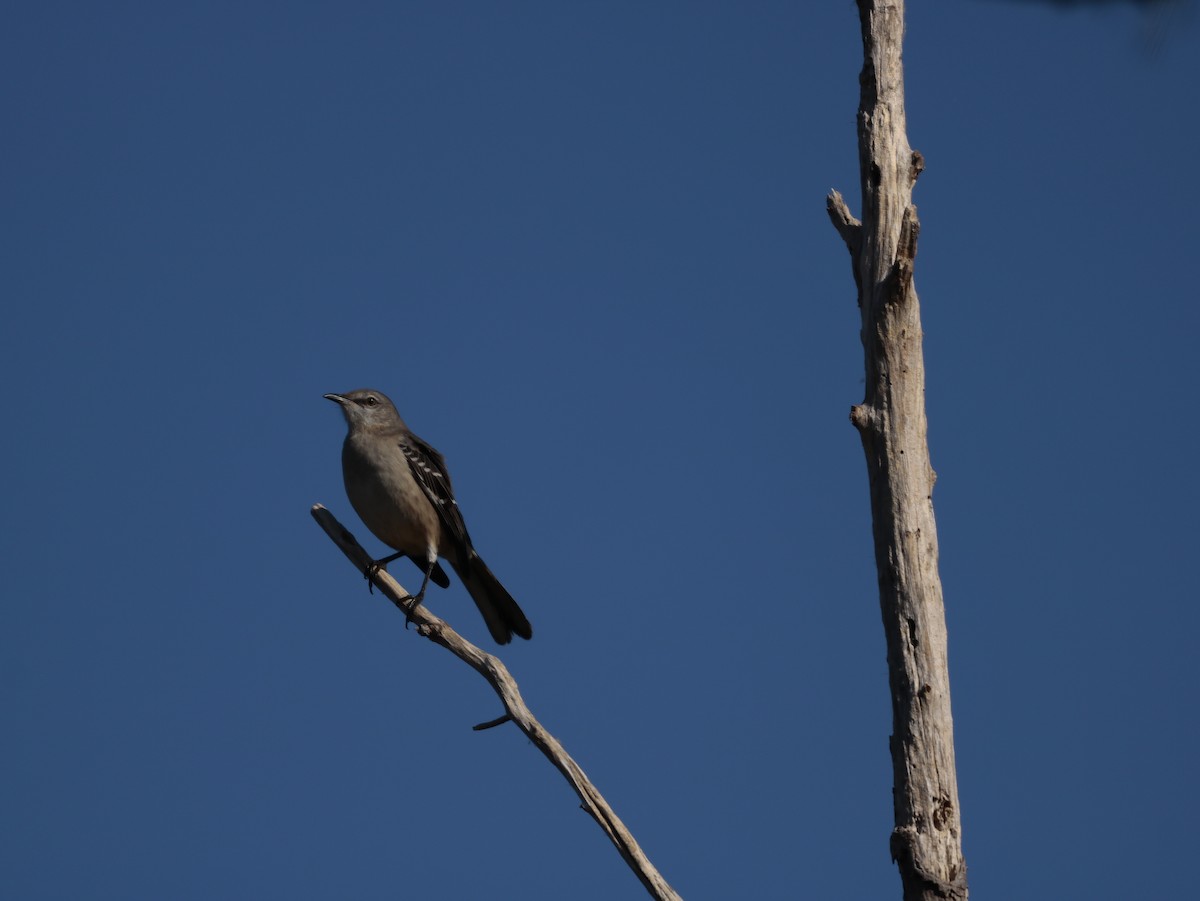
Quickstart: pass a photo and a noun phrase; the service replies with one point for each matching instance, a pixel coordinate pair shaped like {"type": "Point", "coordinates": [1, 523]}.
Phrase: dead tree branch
{"type": "Point", "coordinates": [497, 675]}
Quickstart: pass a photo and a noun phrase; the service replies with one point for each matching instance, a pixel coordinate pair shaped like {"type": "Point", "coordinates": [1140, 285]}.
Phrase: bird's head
{"type": "Point", "coordinates": [367, 409]}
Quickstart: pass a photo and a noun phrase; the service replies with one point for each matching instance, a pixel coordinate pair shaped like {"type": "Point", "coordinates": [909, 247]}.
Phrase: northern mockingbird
{"type": "Point", "coordinates": [400, 489]}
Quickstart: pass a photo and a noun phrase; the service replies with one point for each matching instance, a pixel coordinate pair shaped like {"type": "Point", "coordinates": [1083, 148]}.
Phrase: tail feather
{"type": "Point", "coordinates": [500, 611]}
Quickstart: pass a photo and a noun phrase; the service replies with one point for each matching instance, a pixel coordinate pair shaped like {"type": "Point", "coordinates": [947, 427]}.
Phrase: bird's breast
{"type": "Point", "coordinates": [387, 498]}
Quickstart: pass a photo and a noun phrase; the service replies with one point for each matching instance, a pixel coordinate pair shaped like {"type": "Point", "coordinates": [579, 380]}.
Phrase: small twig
{"type": "Point", "coordinates": [491, 724]}
{"type": "Point", "coordinates": [497, 675]}
{"type": "Point", "coordinates": [843, 220]}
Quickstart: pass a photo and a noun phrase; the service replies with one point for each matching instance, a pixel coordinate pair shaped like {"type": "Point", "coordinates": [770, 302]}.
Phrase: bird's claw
{"type": "Point", "coordinates": [371, 572]}
{"type": "Point", "coordinates": [409, 603]}
{"type": "Point", "coordinates": [414, 601]}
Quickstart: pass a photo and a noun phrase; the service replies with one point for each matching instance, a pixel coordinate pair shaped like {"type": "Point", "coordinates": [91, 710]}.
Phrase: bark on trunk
{"type": "Point", "coordinates": [926, 842]}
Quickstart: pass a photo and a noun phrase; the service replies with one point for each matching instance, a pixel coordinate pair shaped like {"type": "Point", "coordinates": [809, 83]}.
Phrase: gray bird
{"type": "Point", "coordinates": [400, 489]}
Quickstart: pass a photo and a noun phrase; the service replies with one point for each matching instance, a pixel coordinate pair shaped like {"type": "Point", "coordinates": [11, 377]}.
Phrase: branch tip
{"type": "Point", "coordinates": [843, 220]}
{"type": "Point", "coordinates": [491, 724]}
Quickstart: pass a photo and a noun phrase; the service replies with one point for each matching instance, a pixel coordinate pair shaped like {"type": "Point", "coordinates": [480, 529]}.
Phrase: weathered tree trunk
{"type": "Point", "coordinates": [927, 841]}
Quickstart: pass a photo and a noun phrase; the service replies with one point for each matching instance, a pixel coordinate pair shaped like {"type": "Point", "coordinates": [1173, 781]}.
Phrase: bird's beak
{"type": "Point", "coordinates": [336, 398]}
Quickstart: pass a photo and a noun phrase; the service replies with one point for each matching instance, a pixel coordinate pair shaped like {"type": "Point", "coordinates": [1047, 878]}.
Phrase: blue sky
{"type": "Point", "coordinates": [584, 248]}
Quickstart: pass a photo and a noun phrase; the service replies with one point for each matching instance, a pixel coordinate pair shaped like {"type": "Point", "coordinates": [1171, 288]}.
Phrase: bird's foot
{"type": "Point", "coordinates": [372, 571]}
{"type": "Point", "coordinates": [412, 602]}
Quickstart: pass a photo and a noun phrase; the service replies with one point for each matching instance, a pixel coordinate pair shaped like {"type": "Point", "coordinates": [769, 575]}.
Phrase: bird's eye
{"type": "Point", "coordinates": [372, 400]}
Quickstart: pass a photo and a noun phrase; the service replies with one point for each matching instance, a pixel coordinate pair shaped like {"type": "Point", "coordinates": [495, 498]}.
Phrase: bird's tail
{"type": "Point", "coordinates": [500, 611]}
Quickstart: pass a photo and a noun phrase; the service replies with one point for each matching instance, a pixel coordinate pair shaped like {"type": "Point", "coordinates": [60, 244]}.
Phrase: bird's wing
{"type": "Point", "coordinates": [429, 469]}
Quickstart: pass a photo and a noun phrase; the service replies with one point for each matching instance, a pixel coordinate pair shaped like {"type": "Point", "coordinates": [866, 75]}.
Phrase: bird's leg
{"type": "Point", "coordinates": [373, 570]}
{"type": "Point", "coordinates": [414, 601]}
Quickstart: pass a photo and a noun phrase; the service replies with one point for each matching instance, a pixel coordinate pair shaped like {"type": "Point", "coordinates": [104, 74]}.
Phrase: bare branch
{"type": "Point", "coordinates": [497, 675]}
